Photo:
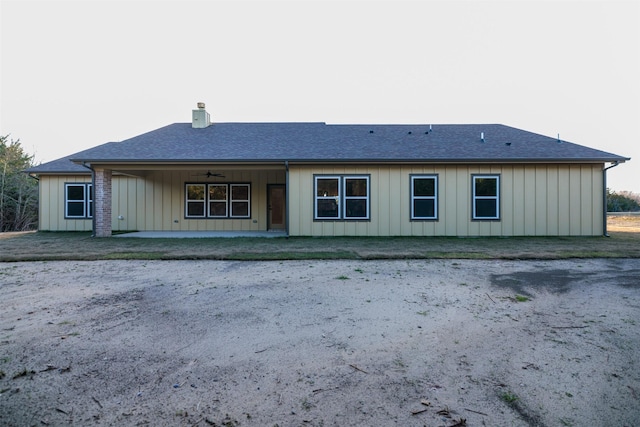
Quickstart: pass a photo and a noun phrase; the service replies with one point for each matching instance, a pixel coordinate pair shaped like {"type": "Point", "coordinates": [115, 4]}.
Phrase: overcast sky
{"type": "Point", "coordinates": [76, 74]}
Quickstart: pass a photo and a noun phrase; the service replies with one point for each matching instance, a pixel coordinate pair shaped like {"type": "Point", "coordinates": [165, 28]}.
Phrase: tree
{"type": "Point", "coordinates": [625, 201]}
{"type": "Point", "coordinates": [18, 191]}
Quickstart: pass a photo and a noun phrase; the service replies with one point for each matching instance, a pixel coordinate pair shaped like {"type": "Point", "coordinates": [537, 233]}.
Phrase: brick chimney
{"type": "Point", "coordinates": [200, 117]}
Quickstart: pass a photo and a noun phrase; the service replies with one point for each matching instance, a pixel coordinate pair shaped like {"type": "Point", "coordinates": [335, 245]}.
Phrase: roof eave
{"type": "Point", "coordinates": [461, 161]}
{"type": "Point", "coordinates": [350, 160]}
{"type": "Point", "coordinates": [89, 162]}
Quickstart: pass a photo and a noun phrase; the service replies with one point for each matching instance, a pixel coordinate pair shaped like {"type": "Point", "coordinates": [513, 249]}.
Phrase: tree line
{"type": "Point", "coordinates": [623, 201]}
{"type": "Point", "coordinates": [18, 191]}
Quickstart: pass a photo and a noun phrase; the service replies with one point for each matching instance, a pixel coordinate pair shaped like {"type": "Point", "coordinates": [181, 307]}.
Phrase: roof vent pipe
{"type": "Point", "coordinates": [200, 117]}
{"type": "Point", "coordinates": [482, 136]}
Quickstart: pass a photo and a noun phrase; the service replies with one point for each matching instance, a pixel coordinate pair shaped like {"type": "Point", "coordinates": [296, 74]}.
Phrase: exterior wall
{"type": "Point", "coordinates": [156, 202]}
{"type": "Point", "coordinates": [159, 202]}
{"type": "Point", "coordinates": [535, 200]}
{"type": "Point", "coordinates": [51, 205]}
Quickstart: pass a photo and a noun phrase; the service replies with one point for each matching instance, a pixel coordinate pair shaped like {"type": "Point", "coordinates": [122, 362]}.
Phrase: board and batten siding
{"type": "Point", "coordinates": [156, 202]}
{"type": "Point", "coordinates": [159, 202]}
{"type": "Point", "coordinates": [535, 200]}
{"type": "Point", "coordinates": [51, 204]}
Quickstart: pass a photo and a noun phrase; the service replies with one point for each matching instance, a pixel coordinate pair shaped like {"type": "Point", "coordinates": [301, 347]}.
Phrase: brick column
{"type": "Point", "coordinates": [102, 202]}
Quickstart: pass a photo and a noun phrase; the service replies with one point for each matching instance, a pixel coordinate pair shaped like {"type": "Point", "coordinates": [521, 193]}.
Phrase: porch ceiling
{"type": "Point", "coordinates": [142, 170]}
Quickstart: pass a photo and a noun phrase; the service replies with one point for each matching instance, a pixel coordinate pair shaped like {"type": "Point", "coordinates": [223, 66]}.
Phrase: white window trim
{"type": "Point", "coordinates": [187, 201]}
{"type": "Point", "coordinates": [207, 207]}
{"type": "Point", "coordinates": [474, 197]}
{"type": "Point", "coordinates": [226, 201]}
{"type": "Point", "coordinates": [341, 198]}
{"type": "Point", "coordinates": [434, 197]}
{"type": "Point", "coordinates": [316, 197]}
{"type": "Point", "coordinates": [87, 201]}
{"type": "Point", "coordinates": [345, 197]}
{"type": "Point", "coordinates": [230, 201]}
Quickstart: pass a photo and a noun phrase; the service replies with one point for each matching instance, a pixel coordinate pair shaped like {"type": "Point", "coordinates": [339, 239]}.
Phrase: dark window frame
{"type": "Point", "coordinates": [87, 200]}
{"type": "Point", "coordinates": [195, 201]}
{"type": "Point", "coordinates": [342, 199]}
{"type": "Point", "coordinates": [413, 198]}
{"type": "Point", "coordinates": [475, 198]}
{"type": "Point", "coordinates": [235, 201]}
{"type": "Point", "coordinates": [207, 200]}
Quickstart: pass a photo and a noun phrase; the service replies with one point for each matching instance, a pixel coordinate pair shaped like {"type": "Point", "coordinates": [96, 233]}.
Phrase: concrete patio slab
{"type": "Point", "coordinates": [201, 234]}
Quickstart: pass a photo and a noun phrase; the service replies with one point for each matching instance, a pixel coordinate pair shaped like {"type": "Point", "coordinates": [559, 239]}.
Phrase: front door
{"type": "Point", "coordinates": [277, 207]}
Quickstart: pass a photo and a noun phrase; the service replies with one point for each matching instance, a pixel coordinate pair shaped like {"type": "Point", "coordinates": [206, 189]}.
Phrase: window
{"type": "Point", "coordinates": [341, 197]}
{"type": "Point", "coordinates": [240, 201]}
{"type": "Point", "coordinates": [356, 198]}
{"type": "Point", "coordinates": [195, 200]}
{"type": "Point", "coordinates": [424, 197]}
{"type": "Point", "coordinates": [218, 201]}
{"type": "Point", "coordinates": [78, 201]}
{"type": "Point", "coordinates": [327, 197]}
{"type": "Point", "coordinates": [486, 197]}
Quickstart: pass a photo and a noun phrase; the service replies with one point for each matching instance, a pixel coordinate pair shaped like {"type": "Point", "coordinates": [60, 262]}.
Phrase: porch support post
{"type": "Point", "coordinates": [102, 202]}
{"type": "Point", "coordinates": [286, 198]}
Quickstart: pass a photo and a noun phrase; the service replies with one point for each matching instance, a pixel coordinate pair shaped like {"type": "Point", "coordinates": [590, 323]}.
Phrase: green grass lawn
{"type": "Point", "coordinates": [42, 246]}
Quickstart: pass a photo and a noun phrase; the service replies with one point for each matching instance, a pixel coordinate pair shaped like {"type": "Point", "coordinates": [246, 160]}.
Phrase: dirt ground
{"type": "Point", "coordinates": [624, 223]}
{"type": "Point", "coordinates": [320, 343]}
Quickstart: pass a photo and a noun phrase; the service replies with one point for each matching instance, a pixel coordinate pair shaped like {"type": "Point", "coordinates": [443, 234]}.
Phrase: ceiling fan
{"type": "Point", "coordinates": [210, 174]}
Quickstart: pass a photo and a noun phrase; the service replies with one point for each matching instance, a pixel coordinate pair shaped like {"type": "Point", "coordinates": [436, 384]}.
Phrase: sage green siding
{"type": "Point", "coordinates": [535, 200]}
{"type": "Point", "coordinates": [156, 202]}
{"type": "Point", "coordinates": [51, 204]}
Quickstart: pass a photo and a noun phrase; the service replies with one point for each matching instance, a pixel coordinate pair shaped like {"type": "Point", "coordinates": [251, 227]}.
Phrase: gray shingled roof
{"type": "Point", "coordinates": [319, 142]}
{"type": "Point", "coordinates": [59, 166]}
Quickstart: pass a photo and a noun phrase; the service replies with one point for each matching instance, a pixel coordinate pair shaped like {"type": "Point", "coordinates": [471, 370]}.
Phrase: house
{"type": "Point", "coordinates": [315, 179]}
